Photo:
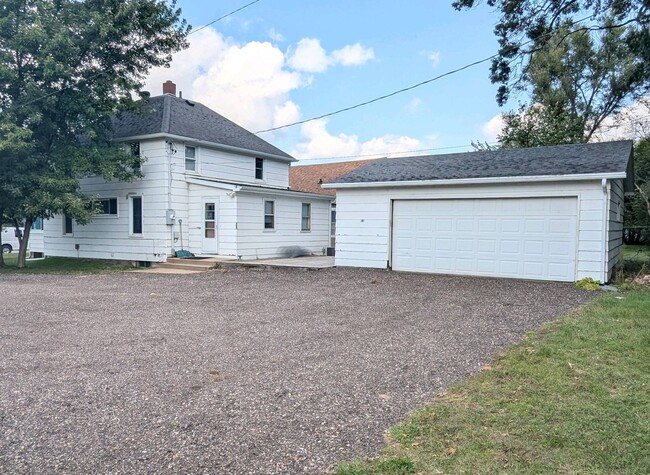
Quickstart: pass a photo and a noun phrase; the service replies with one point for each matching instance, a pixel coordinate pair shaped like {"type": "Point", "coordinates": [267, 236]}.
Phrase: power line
{"type": "Point", "coordinates": [409, 88]}
{"type": "Point", "coordinates": [221, 18]}
{"type": "Point", "coordinates": [380, 98]}
{"type": "Point", "coordinates": [101, 73]}
{"type": "Point", "coordinates": [386, 154]}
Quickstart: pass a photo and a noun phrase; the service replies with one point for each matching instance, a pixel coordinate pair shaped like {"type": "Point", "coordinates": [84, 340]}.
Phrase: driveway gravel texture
{"type": "Point", "coordinates": [259, 371]}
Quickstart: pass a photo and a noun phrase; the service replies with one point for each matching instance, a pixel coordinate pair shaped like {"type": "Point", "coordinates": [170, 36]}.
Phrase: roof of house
{"type": "Point", "coordinates": [558, 160]}
{"type": "Point", "coordinates": [308, 178]}
{"type": "Point", "coordinates": [168, 114]}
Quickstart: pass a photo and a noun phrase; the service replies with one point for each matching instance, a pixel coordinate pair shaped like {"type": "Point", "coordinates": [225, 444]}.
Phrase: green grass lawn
{"type": "Point", "coordinates": [62, 265]}
{"type": "Point", "coordinates": [572, 398]}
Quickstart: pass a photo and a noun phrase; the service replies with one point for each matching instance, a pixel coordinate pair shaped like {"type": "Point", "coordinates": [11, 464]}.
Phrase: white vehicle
{"type": "Point", "coordinates": [9, 239]}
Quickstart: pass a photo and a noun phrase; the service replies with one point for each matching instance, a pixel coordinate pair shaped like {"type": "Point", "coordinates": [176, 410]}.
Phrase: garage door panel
{"type": "Point", "coordinates": [464, 225]}
{"type": "Point", "coordinates": [527, 238]}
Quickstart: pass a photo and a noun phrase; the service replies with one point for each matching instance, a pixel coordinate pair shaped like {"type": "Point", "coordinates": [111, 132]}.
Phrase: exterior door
{"type": "Point", "coordinates": [209, 227]}
{"type": "Point", "coordinates": [525, 238]}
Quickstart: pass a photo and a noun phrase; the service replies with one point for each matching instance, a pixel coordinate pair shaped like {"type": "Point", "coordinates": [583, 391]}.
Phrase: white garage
{"type": "Point", "coordinates": [532, 238]}
{"type": "Point", "coordinates": [548, 213]}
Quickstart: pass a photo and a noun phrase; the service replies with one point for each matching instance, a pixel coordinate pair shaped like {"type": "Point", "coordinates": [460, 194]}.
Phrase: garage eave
{"type": "Point", "coordinates": [477, 181]}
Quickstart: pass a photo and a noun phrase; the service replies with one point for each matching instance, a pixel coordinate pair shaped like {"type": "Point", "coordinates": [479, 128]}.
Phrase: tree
{"type": "Point", "coordinates": [538, 125]}
{"type": "Point", "coordinates": [526, 26]}
{"type": "Point", "coordinates": [576, 81]}
{"type": "Point", "coordinates": [639, 206]}
{"type": "Point", "coordinates": [66, 68]}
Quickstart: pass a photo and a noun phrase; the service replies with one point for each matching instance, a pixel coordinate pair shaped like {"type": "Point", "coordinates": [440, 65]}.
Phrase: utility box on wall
{"type": "Point", "coordinates": [170, 217]}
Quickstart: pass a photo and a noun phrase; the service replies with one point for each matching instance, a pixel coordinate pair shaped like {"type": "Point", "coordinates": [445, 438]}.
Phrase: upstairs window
{"type": "Point", "coordinates": [107, 207]}
{"type": "Point", "coordinates": [269, 214]}
{"type": "Point", "coordinates": [259, 168]}
{"type": "Point", "coordinates": [305, 223]}
{"type": "Point", "coordinates": [67, 224]}
{"type": "Point", "coordinates": [134, 147]}
{"type": "Point", "coordinates": [190, 158]}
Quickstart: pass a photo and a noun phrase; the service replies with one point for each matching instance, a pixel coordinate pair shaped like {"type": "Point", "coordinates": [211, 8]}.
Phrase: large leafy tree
{"type": "Point", "coordinates": [577, 79]}
{"type": "Point", "coordinates": [66, 67]}
{"type": "Point", "coordinates": [638, 208]}
{"type": "Point", "coordinates": [527, 25]}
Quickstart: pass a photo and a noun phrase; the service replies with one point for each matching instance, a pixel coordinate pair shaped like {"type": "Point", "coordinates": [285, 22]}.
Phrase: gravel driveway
{"type": "Point", "coordinates": [239, 371]}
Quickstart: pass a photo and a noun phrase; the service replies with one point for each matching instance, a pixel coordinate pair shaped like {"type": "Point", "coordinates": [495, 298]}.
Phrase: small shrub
{"type": "Point", "coordinates": [588, 284]}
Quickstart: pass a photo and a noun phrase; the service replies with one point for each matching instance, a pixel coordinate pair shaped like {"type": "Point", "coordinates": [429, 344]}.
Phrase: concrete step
{"type": "Point", "coordinates": [202, 267]}
{"type": "Point", "coordinates": [207, 263]}
{"type": "Point", "coordinates": [159, 270]}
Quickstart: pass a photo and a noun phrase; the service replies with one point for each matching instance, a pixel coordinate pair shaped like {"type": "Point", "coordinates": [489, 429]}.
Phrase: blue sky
{"type": "Point", "coordinates": [279, 61]}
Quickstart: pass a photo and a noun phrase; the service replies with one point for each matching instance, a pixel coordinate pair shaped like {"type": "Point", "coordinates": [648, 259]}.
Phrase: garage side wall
{"type": "Point", "coordinates": [615, 227]}
{"type": "Point", "coordinates": [363, 228]}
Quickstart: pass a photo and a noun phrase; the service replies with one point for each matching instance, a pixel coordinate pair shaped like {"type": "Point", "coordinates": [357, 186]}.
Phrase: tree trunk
{"type": "Point", "coordinates": [645, 197]}
{"type": "Point", "coordinates": [23, 240]}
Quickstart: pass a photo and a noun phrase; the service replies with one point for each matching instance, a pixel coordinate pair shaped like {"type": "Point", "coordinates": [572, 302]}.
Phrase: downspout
{"type": "Point", "coordinates": [607, 189]}
{"type": "Point", "coordinates": [168, 148]}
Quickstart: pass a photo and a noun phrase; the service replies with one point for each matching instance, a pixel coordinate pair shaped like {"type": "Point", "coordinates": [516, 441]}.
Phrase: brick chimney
{"type": "Point", "coordinates": [169, 88]}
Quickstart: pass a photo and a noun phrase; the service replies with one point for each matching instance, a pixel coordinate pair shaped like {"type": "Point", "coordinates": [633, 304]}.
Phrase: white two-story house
{"type": "Point", "coordinates": [209, 186]}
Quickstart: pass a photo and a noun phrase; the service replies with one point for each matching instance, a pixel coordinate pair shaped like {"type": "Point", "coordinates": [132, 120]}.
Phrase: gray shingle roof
{"type": "Point", "coordinates": [169, 114]}
{"type": "Point", "coordinates": [578, 159]}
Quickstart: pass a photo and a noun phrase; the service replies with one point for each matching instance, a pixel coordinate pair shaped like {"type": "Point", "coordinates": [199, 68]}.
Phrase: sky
{"type": "Point", "coordinates": [281, 61]}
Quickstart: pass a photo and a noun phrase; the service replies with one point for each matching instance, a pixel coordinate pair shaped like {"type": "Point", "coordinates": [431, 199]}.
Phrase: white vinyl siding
{"type": "Point", "coordinates": [615, 226]}
{"type": "Point", "coordinates": [104, 238]}
{"type": "Point", "coordinates": [363, 227]}
{"type": "Point", "coordinates": [254, 242]}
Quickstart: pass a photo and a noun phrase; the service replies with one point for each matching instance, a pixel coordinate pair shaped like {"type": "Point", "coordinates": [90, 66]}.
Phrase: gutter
{"type": "Point", "coordinates": [476, 181]}
{"type": "Point", "coordinates": [205, 143]}
{"type": "Point", "coordinates": [257, 189]}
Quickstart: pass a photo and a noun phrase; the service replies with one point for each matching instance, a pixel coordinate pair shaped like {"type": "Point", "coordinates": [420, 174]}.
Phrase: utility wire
{"type": "Point", "coordinates": [101, 73]}
{"type": "Point", "coordinates": [386, 154]}
{"type": "Point", "coordinates": [225, 16]}
{"type": "Point", "coordinates": [380, 98]}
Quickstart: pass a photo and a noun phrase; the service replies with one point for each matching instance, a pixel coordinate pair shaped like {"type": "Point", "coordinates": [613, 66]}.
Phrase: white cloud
{"type": "Point", "coordinates": [414, 104]}
{"type": "Point", "coordinates": [317, 142]}
{"type": "Point", "coordinates": [250, 83]}
{"type": "Point", "coordinates": [353, 55]}
{"type": "Point", "coordinates": [434, 58]}
{"type": "Point", "coordinates": [276, 36]}
{"type": "Point", "coordinates": [493, 128]}
{"type": "Point", "coordinates": [631, 122]}
{"type": "Point", "coordinates": [311, 57]}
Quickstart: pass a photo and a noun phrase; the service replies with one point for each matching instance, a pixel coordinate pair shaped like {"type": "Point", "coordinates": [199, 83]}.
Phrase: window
{"type": "Point", "coordinates": [107, 207]}
{"type": "Point", "coordinates": [190, 158]}
{"type": "Point", "coordinates": [67, 224]}
{"type": "Point", "coordinates": [305, 223]}
{"type": "Point", "coordinates": [269, 214]}
{"type": "Point", "coordinates": [37, 225]}
{"type": "Point", "coordinates": [333, 219]}
{"type": "Point", "coordinates": [135, 151]}
{"type": "Point", "coordinates": [259, 168]}
{"type": "Point", "coordinates": [136, 215]}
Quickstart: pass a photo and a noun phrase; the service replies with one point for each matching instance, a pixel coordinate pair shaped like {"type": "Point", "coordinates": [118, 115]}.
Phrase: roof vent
{"type": "Point", "coordinates": [169, 88]}
{"type": "Point", "coordinates": [145, 95]}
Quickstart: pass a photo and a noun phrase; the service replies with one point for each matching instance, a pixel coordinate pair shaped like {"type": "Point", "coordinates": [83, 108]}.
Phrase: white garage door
{"type": "Point", "coordinates": [526, 238]}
